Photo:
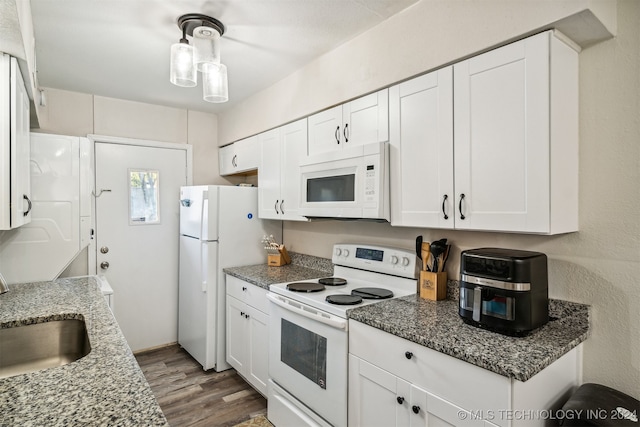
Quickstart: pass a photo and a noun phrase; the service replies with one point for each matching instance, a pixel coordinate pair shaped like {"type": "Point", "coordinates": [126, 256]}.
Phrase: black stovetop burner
{"type": "Point", "coordinates": [332, 281]}
{"type": "Point", "coordinates": [342, 299]}
{"type": "Point", "coordinates": [372, 293]}
{"type": "Point", "coordinates": [305, 287]}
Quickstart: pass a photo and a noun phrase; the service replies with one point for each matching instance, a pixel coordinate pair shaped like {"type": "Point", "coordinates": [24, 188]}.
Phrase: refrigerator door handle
{"type": "Point", "coordinates": [204, 270]}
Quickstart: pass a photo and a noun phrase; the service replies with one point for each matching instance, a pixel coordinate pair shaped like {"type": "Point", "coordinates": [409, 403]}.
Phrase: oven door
{"type": "Point", "coordinates": [308, 357]}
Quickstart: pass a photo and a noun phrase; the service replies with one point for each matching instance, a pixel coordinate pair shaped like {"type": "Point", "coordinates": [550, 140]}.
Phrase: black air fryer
{"type": "Point", "coordinates": [504, 290]}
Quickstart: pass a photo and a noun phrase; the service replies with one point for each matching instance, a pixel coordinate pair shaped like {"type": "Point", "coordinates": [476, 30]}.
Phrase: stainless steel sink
{"type": "Point", "coordinates": [43, 345]}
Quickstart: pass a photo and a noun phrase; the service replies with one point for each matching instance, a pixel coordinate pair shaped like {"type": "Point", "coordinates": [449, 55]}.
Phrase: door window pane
{"type": "Point", "coordinates": [144, 195]}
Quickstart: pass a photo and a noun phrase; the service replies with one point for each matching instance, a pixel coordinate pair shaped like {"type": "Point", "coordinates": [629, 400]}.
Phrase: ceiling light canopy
{"type": "Point", "coordinates": [203, 56]}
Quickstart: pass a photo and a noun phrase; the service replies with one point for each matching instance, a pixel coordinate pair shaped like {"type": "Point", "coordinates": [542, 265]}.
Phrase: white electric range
{"type": "Point", "coordinates": [308, 350]}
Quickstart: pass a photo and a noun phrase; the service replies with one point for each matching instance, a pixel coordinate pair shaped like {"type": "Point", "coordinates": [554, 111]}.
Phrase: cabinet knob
{"type": "Point", "coordinates": [244, 289]}
{"type": "Point", "coordinates": [246, 316]}
{"type": "Point", "coordinates": [408, 354]}
{"type": "Point", "coordinates": [242, 313]}
{"type": "Point", "coordinates": [415, 409]}
{"type": "Point", "coordinates": [104, 265]}
{"type": "Point", "coordinates": [400, 400]}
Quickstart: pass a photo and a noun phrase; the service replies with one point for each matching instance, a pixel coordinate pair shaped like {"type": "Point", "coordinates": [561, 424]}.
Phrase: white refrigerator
{"type": "Point", "coordinates": [219, 228]}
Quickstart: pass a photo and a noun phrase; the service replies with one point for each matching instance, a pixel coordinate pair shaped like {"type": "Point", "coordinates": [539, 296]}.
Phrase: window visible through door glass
{"type": "Point", "coordinates": [144, 194]}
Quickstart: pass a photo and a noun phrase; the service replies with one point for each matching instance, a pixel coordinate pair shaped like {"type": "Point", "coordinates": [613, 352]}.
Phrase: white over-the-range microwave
{"type": "Point", "coordinates": [349, 183]}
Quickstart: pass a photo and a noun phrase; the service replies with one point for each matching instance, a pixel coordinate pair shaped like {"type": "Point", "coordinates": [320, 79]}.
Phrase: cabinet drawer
{"type": "Point", "coordinates": [454, 380]}
{"type": "Point", "coordinates": [248, 293]}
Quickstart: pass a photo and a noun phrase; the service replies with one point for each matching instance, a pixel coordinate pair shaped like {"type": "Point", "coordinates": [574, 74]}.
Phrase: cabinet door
{"type": "Point", "coordinates": [427, 409]}
{"type": "Point", "coordinates": [421, 143]}
{"type": "Point", "coordinates": [20, 158]}
{"type": "Point", "coordinates": [257, 369]}
{"type": "Point", "coordinates": [269, 175]}
{"type": "Point", "coordinates": [325, 131]}
{"type": "Point", "coordinates": [501, 121]}
{"type": "Point", "coordinates": [15, 178]}
{"type": "Point", "coordinates": [293, 139]}
{"type": "Point", "coordinates": [227, 158]}
{"type": "Point", "coordinates": [241, 156]}
{"type": "Point", "coordinates": [247, 154]}
{"type": "Point", "coordinates": [366, 120]}
{"type": "Point", "coordinates": [376, 397]}
{"type": "Point", "coordinates": [236, 334]}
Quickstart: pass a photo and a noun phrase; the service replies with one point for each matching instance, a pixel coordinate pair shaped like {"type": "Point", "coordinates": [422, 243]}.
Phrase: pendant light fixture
{"type": "Point", "coordinates": [203, 56]}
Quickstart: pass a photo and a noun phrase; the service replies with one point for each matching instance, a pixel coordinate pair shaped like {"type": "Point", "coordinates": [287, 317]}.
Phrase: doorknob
{"type": "Point", "coordinates": [104, 265]}
{"type": "Point", "coordinates": [104, 250]}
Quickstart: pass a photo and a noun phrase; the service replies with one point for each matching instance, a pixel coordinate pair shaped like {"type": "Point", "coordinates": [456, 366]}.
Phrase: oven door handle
{"type": "Point", "coordinates": [331, 321]}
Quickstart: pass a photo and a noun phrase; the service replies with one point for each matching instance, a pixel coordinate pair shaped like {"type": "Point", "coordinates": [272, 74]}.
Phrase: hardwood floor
{"type": "Point", "coordinates": [191, 397]}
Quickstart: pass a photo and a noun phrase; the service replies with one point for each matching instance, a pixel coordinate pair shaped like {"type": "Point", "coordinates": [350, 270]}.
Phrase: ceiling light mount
{"type": "Point", "coordinates": [189, 22]}
{"type": "Point", "coordinates": [203, 56]}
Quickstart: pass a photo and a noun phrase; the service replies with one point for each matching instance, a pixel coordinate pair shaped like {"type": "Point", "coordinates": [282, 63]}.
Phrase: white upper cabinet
{"type": "Point", "coordinates": [281, 150]}
{"type": "Point", "coordinates": [241, 156]}
{"type": "Point", "coordinates": [503, 156]}
{"type": "Point", "coordinates": [361, 121]}
{"type": "Point", "coordinates": [516, 138]}
{"type": "Point", "coordinates": [421, 151]}
{"type": "Point", "coordinates": [15, 181]}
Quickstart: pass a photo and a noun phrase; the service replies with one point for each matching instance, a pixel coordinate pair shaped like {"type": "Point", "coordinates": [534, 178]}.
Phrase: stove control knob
{"type": "Point", "coordinates": [394, 259]}
{"type": "Point", "coordinates": [405, 261]}
{"type": "Point", "coordinates": [345, 252]}
{"type": "Point", "coordinates": [338, 251]}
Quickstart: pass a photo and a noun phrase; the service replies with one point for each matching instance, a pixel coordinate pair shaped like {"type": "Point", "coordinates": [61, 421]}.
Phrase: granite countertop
{"type": "Point", "coordinates": [104, 388]}
{"type": "Point", "coordinates": [437, 325]}
{"type": "Point", "coordinates": [302, 267]}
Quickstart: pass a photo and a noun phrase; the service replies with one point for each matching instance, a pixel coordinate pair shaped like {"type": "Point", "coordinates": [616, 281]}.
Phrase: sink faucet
{"type": "Point", "coordinates": [3, 285]}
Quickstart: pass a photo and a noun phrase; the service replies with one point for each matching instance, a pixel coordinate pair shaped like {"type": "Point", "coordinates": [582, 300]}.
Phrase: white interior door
{"type": "Point", "coordinates": [137, 234]}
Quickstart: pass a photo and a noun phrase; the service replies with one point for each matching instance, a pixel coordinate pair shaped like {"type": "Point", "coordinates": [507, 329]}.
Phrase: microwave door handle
{"type": "Point", "coordinates": [333, 322]}
{"type": "Point", "coordinates": [477, 303]}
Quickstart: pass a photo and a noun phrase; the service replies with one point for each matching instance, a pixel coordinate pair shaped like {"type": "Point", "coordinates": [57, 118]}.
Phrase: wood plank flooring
{"type": "Point", "coordinates": [191, 397]}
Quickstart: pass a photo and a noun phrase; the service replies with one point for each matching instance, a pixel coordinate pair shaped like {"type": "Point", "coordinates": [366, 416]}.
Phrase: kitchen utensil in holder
{"type": "Point", "coordinates": [279, 259]}
{"type": "Point", "coordinates": [433, 286]}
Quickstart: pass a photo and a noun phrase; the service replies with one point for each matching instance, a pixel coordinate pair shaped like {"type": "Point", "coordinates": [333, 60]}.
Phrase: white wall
{"type": "Point", "coordinates": [600, 265]}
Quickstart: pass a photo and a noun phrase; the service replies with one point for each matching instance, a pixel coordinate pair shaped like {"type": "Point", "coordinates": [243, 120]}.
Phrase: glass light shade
{"type": "Point", "coordinates": [206, 41]}
{"type": "Point", "coordinates": [183, 72]}
{"type": "Point", "coordinates": [214, 81]}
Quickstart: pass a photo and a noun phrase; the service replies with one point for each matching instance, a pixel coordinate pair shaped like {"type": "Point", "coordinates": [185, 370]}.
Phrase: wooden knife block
{"type": "Point", "coordinates": [433, 286]}
{"type": "Point", "coordinates": [279, 259]}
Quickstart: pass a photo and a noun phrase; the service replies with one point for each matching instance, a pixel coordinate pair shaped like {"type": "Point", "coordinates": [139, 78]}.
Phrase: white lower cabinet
{"type": "Point", "coordinates": [248, 332]}
{"type": "Point", "coordinates": [379, 398]}
{"type": "Point", "coordinates": [395, 382]}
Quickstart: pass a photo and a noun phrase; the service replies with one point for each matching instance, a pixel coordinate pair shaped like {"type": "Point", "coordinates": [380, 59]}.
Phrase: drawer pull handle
{"type": "Point", "coordinates": [408, 355]}
{"type": "Point", "coordinates": [415, 409]}
{"type": "Point", "coordinates": [444, 200]}
{"type": "Point", "coordinates": [400, 400]}
{"type": "Point", "coordinates": [460, 206]}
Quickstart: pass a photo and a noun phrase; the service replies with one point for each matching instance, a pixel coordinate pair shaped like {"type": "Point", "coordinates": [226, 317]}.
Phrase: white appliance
{"type": "Point", "coordinates": [308, 348]}
{"type": "Point", "coordinates": [348, 183]}
{"type": "Point", "coordinates": [219, 228]}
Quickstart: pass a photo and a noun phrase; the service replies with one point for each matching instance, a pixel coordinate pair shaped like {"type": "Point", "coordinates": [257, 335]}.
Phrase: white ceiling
{"type": "Point", "coordinates": [120, 48]}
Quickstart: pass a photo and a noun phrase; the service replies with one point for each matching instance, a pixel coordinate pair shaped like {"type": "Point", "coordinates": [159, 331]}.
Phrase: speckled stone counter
{"type": "Point", "coordinates": [302, 267]}
{"type": "Point", "coordinates": [437, 325]}
{"type": "Point", "coordinates": [104, 388]}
